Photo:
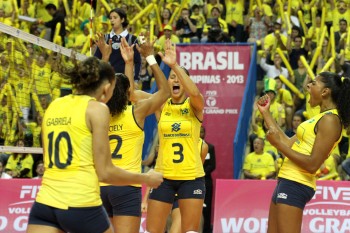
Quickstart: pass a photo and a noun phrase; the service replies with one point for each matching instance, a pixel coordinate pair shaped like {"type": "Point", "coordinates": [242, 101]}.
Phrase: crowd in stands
{"type": "Point", "coordinates": [295, 40]}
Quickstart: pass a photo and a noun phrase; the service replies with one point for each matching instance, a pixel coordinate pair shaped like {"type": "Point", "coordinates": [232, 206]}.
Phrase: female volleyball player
{"type": "Point", "coordinates": [126, 136]}
{"type": "Point", "coordinates": [179, 158]}
{"type": "Point", "coordinates": [307, 150]}
{"type": "Point", "coordinates": [77, 156]}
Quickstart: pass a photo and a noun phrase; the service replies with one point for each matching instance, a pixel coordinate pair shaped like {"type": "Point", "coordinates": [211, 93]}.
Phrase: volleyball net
{"type": "Point", "coordinates": [29, 81]}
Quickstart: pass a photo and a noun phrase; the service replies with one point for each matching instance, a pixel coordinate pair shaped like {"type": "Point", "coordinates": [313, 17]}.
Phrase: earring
{"type": "Point", "coordinates": [103, 97]}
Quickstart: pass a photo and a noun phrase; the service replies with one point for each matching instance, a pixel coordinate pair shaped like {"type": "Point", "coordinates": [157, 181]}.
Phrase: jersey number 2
{"type": "Point", "coordinates": [62, 135]}
{"type": "Point", "coordinates": [119, 139]}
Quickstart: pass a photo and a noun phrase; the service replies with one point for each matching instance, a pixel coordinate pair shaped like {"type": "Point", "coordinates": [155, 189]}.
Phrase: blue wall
{"type": "Point", "coordinates": [241, 137]}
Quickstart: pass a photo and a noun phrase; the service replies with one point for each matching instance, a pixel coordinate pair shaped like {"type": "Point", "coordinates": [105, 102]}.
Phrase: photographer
{"type": "Point", "coordinates": [215, 30]}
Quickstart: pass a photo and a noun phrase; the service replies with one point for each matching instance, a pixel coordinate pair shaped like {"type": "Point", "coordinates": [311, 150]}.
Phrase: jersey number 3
{"type": "Point", "coordinates": [178, 152]}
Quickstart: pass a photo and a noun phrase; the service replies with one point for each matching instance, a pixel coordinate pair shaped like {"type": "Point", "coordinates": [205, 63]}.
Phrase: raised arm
{"type": "Point", "coordinates": [263, 105]}
{"type": "Point", "coordinates": [196, 98]}
{"type": "Point", "coordinates": [154, 102]}
{"type": "Point", "coordinates": [105, 49]}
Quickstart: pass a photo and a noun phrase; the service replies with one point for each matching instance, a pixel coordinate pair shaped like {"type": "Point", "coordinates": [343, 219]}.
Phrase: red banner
{"type": "Point", "coordinates": [220, 72]}
{"type": "Point", "coordinates": [240, 206]}
{"type": "Point", "coordinates": [17, 198]}
{"type": "Point", "coordinates": [243, 205]}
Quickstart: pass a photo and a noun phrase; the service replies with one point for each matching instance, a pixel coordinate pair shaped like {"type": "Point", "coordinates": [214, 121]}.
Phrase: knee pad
{"type": "Point", "coordinates": [191, 232]}
{"type": "Point", "coordinates": [147, 231]}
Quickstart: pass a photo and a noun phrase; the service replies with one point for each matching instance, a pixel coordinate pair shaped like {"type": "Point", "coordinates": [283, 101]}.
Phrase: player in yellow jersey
{"type": "Point", "coordinates": [179, 158]}
{"type": "Point", "coordinates": [77, 156]}
{"type": "Point", "coordinates": [126, 135]}
{"type": "Point", "coordinates": [175, 213]}
{"type": "Point", "coordinates": [306, 151]}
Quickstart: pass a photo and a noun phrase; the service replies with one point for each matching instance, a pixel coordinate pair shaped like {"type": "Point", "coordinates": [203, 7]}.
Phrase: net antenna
{"type": "Point", "coordinates": [15, 32]}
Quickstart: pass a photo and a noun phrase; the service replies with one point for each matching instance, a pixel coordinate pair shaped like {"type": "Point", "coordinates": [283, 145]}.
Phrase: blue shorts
{"type": "Point", "coordinates": [121, 200]}
{"type": "Point", "coordinates": [185, 189]}
{"type": "Point", "coordinates": [292, 193]}
{"type": "Point", "coordinates": [77, 220]}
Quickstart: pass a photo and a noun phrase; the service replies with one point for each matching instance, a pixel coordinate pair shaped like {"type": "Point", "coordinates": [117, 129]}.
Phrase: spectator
{"type": "Point", "coordinates": [305, 7]}
{"type": "Point", "coordinates": [41, 73]}
{"type": "Point", "coordinates": [296, 49]}
{"type": "Point", "coordinates": [340, 36]}
{"type": "Point", "coordinates": [315, 31]}
{"type": "Point", "coordinates": [20, 165]}
{"type": "Point", "coordinates": [273, 70]}
{"type": "Point", "coordinates": [57, 17]}
{"type": "Point", "coordinates": [168, 34]}
{"type": "Point", "coordinates": [82, 36]}
{"type": "Point", "coordinates": [22, 89]}
{"type": "Point", "coordinates": [209, 5]}
{"type": "Point", "coordinates": [215, 30]}
{"type": "Point", "coordinates": [199, 17]}
{"type": "Point", "coordinates": [186, 27]}
{"type": "Point", "coordinates": [284, 97]}
{"type": "Point", "coordinates": [341, 11]}
{"type": "Point", "coordinates": [39, 169]}
{"type": "Point", "coordinates": [328, 169]}
{"type": "Point", "coordinates": [3, 175]}
{"type": "Point", "coordinates": [259, 165]}
{"type": "Point", "coordinates": [297, 119]}
{"type": "Point", "coordinates": [298, 80]}
{"type": "Point", "coordinates": [165, 18]}
{"type": "Point", "coordinates": [274, 39]}
{"type": "Point", "coordinates": [234, 19]}
{"type": "Point", "coordinates": [257, 25]}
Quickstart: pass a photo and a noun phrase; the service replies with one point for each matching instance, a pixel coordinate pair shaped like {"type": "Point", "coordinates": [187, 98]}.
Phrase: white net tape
{"type": "Point", "coordinates": [15, 32]}
{"type": "Point", "coordinates": [22, 150]}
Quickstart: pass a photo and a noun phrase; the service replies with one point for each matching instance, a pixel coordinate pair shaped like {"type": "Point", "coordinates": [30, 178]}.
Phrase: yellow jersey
{"type": "Point", "coordinates": [70, 179]}
{"type": "Point", "coordinates": [178, 129]}
{"type": "Point", "coordinates": [41, 76]}
{"type": "Point", "coordinates": [126, 139]}
{"type": "Point", "coordinates": [261, 164]}
{"type": "Point", "coordinates": [19, 164]}
{"type": "Point", "coordinates": [305, 140]}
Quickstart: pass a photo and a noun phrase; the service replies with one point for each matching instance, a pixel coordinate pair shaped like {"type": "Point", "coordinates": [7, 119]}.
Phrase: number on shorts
{"type": "Point", "coordinates": [119, 139]}
{"type": "Point", "coordinates": [178, 152]}
{"type": "Point", "coordinates": [56, 147]}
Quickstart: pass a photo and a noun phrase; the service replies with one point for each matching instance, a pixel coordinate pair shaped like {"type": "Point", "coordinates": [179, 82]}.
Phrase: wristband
{"type": "Point", "coordinates": [151, 60]}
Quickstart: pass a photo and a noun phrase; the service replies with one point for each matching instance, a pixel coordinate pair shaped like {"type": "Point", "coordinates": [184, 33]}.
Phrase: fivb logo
{"type": "Point", "coordinates": [30, 190]}
{"type": "Point", "coordinates": [331, 193]}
